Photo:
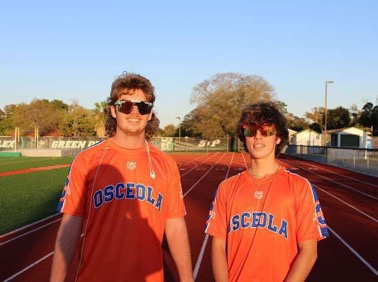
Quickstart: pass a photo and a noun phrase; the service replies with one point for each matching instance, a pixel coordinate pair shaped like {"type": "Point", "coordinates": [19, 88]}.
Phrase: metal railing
{"type": "Point", "coordinates": [361, 160]}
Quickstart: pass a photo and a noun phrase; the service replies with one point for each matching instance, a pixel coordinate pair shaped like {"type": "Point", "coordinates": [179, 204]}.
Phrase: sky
{"type": "Point", "coordinates": [73, 50]}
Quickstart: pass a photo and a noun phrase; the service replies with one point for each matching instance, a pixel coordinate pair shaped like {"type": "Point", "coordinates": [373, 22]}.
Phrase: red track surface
{"type": "Point", "coordinates": [348, 199]}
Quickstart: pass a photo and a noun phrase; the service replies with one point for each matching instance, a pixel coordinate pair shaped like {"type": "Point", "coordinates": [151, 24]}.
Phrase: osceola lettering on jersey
{"type": "Point", "coordinates": [127, 191]}
{"type": "Point", "coordinates": [258, 220]}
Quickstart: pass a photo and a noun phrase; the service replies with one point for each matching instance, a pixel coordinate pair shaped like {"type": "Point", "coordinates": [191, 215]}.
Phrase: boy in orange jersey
{"type": "Point", "coordinates": [265, 222]}
{"type": "Point", "coordinates": [123, 195]}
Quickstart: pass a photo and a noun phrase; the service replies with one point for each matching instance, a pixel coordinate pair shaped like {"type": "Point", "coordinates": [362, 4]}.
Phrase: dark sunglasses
{"type": "Point", "coordinates": [126, 106]}
{"type": "Point", "coordinates": [250, 130]}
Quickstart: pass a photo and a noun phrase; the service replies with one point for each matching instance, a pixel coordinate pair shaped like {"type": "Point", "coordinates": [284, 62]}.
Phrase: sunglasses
{"type": "Point", "coordinates": [250, 130]}
{"type": "Point", "coordinates": [126, 106]}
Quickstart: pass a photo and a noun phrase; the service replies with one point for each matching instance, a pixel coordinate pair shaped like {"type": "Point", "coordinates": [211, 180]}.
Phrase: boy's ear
{"type": "Point", "coordinates": [150, 116]}
{"type": "Point", "coordinates": [278, 141]}
{"type": "Point", "coordinates": [113, 111]}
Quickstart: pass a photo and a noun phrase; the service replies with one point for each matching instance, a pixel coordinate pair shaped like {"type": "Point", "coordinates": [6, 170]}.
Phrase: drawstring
{"type": "Point", "coordinates": [152, 173]}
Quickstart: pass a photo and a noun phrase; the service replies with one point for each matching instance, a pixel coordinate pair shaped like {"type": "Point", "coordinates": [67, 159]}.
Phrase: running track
{"type": "Point", "coordinates": [348, 199]}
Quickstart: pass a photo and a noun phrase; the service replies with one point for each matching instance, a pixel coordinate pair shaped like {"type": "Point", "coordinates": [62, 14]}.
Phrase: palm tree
{"type": "Point", "coordinates": [99, 117]}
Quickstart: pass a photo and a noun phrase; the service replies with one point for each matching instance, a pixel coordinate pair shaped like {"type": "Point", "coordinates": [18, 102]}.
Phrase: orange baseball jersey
{"type": "Point", "coordinates": [124, 210]}
{"type": "Point", "coordinates": [262, 220]}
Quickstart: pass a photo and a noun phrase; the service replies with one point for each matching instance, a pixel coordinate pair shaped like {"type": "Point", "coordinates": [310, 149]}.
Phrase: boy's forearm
{"type": "Point", "coordinates": [219, 260]}
{"type": "Point", "coordinates": [178, 242]}
{"type": "Point", "coordinates": [304, 261]}
{"type": "Point", "coordinates": [65, 246]}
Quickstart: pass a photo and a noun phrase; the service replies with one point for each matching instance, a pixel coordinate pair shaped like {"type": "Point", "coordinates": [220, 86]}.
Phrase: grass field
{"type": "Point", "coordinates": [26, 198]}
{"type": "Point", "coordinates": [15, 163]}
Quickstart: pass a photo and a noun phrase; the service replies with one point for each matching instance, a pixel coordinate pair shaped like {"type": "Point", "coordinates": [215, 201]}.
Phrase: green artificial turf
{"type": "Point", "coordinates": [16, 163]}
{"type": "Point", "coordinates": [26, 198]}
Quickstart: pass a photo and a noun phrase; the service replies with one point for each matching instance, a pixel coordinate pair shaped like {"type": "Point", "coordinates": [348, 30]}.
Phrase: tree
{"type": "Point", "coordinates": [99, 118]}
{"type": "Point", "coordinates": [159, 132]}
{"type": "Point", "coordinates": [6, 127]}
{"type": "Point", "coordinates": [316, 127]}
{"type": "Point", "coordinates": [38, 114]}
{"type": "Point", "coordinates": [9, 110]}
{"type": "Point", "coordinates": [2, 114]}
{"type": "Point", "coordinates": [296, 123]}
{"type": "Point", "coordinates": [338, 118]}
{"type": "Point", "coordinates": [186, 129]}
{"type": "Point", "coordinates": [293, 122]}
{"type": "Point", "coordinates": [355, 115]}
{"type": "Point", "coordinates": [282, 107]}
{"type": "Point", "coordinates": [188, 125]}
{"type": "Point", "coordinates": [78, 122]}
{"type": "Point", "coordinates": [59, 105]}
{"type": "Point", "coordinates": [169, 130]}
{"type": "Point", "coordinates": [6, 120]}
{"type": "Point", "coordinates": [369, 116]}
{"type": "Point", "coordinates": [374, 118]}
{"type": "Point", "coordinates": [317, 116]}
{"type": "Point", "coordinates": [220, 100]}
{"type": "Point", "coordinates": [366, 114]}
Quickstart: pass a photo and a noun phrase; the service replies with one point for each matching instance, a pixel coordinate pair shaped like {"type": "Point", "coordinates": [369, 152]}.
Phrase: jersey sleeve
{"type": "Point", "coordinates": [176, 207]}
{"type": "Point", "coordinates": [73, 200]}
{"type": "Point", "coordinates": [309, 216]}
{"type": "Point", "coordinates": [216, 224]}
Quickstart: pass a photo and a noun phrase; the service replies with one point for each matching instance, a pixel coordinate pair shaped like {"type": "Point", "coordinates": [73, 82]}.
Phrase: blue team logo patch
{"type": "Point", "coordinates": [318, 215]}
{"type": "Point", "coordinates": [319, 218]}
{"type": "Point", "coordinates": [66, 191]}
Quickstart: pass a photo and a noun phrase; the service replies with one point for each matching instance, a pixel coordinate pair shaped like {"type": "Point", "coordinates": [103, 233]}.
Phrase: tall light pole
{"type": "Point", "coordinates": [325, 112]}
{"type": "Point", "coordinates": [179, 119]}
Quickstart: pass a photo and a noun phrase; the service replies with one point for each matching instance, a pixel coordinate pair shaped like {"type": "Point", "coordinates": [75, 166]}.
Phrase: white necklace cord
{"type": "Point", "coordinates": [90, 209]}
{"type": "Point", "coordinates": [152, 173]}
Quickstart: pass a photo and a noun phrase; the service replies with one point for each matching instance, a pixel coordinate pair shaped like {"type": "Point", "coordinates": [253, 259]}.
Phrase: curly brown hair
{"type": "Point", "coordinates": [130, 81]}
{"type": "Point", "coordinates": [260, 114]}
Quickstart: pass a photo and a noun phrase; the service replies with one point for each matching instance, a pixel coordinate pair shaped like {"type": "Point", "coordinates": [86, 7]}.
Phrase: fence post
{"type": "Point", "coordinates": [367, 161]}
{"type": "Point", "coordinates": [354, 158]}
{"type": "Point", "coordinates": [15, 139]}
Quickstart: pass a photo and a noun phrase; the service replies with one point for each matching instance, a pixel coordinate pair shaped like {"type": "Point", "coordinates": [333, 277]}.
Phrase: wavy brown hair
{"type": "Point", "coordinates": [260, 114]}
{"type": "Point", "coordinates": [131, 82]}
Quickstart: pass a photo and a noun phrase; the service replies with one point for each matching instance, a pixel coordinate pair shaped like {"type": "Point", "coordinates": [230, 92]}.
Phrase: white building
{"type": "Point", "coordinates": [306, 137]}
{"type": "Point", "coordinates": [350, 137]}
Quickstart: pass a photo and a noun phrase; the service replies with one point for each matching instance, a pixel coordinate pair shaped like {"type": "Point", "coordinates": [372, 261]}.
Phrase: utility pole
{"type": "Point", "coordinates": [325, 113]}
{"type": "Point", "coordinates": [179, 119]}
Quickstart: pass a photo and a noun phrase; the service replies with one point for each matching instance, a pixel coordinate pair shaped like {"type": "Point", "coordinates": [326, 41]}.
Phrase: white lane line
{"type": "Point", "coordinates": [181, 163]}
{"type": "Point", "coordinates": [345, 176]}
{"type": "Point", "coordinates": [27, 226]}
{"type": "Point", "coordinates": [203, 176]}
{"type": "Point", "coordinates": [31, 231]}
{"type": "Point", "coordinates": [349, 205]}
{"type": "Point", "coordinates": [28, 267]}
{"type": "Point", "coordinates": [200, 257]}
{"type": "Point", "coordinates": [204, 243]}
{"type": "Point", "coordinates": [196, 165]}
{"type": "Point", "coordinates": [329, 179]}
{"type": "Point", "coordinates": [354, 252]}
{"type": "Point", "coordinates": [229, 166]}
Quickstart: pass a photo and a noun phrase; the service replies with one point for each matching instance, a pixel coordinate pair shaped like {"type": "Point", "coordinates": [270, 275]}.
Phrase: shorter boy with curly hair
{"type": "Point", "coordinates": [265, 222]}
